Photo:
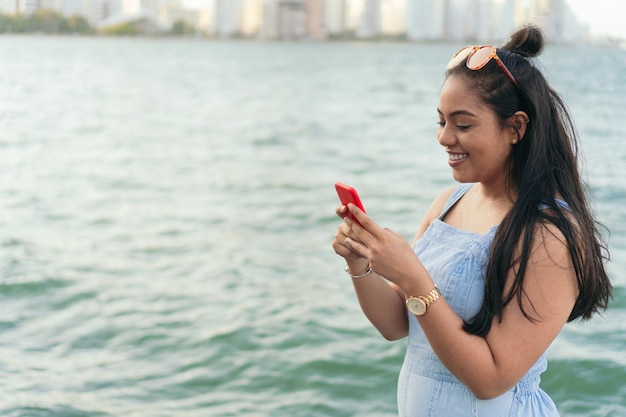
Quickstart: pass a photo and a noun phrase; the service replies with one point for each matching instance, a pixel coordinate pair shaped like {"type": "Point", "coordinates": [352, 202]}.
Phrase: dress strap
{"type": "Point", "coordinates": [454, 197]}
{"type": "Point", "coordinates": [558, 201]}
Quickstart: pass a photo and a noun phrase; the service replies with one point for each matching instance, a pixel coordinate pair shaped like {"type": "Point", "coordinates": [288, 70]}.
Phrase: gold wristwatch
{"type": "Point", "coordinates": [418, 305]}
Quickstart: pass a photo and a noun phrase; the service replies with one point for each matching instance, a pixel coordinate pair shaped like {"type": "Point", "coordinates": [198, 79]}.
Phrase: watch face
{"type": "Point", "coordinates": [416, 306]}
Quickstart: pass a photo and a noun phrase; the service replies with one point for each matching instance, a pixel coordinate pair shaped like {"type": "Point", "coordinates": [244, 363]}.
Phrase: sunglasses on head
{"type": "Point", "coordinates": [476, 57]}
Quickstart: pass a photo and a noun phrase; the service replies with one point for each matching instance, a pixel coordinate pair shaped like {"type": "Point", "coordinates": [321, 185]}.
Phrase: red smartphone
{"type": "Point", "coordinates": [347, 195]}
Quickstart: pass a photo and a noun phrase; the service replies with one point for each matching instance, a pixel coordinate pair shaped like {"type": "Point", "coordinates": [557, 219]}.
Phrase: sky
{"type": "Point", "coordinates": [603, 17]}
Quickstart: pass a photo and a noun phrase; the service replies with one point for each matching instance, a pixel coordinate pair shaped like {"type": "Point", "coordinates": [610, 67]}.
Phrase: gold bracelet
{"type": "Point", "coordinates": [364, 274]}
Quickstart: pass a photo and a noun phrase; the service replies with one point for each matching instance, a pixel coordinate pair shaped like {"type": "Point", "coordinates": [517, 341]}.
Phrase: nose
{"type": "Point", "coordinates": [445, 136]}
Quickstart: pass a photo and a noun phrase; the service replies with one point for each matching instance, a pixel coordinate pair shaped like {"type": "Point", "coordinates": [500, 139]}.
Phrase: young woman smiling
{"type": "Point", "coordinates": [501, 262]}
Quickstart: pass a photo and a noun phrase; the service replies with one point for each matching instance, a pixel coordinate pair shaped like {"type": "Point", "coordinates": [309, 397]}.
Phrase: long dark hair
{"type": "Point", "coordinates": [543, 166]}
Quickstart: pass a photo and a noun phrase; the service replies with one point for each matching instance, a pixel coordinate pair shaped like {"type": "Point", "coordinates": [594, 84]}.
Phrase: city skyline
{"type": "Point", "coordinates": [564, 21]}
{"type": "Point", "coordinates": [603, 18]}
{"type": "Point", "coordinates": [413, 20]}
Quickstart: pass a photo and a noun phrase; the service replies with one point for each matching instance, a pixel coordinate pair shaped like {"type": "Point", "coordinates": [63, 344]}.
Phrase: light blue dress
{"type": "Point", "coordinates": [456, 260]}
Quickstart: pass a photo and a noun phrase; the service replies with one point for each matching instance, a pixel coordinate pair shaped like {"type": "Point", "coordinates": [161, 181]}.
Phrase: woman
{"type": "Point", "coordinates": [501, 262]}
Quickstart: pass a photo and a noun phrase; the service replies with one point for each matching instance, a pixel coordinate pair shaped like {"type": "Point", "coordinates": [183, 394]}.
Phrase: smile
{"type": "Point", "coordinates": [458, 156]}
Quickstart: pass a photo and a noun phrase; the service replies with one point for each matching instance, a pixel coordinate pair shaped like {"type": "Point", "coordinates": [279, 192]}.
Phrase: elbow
{"type": "Point", "coordinates": [486, 391]}
{"type": "Point", "coordinates": [392, 336]}
{"type": "Point", "coordinates": [486, 395]}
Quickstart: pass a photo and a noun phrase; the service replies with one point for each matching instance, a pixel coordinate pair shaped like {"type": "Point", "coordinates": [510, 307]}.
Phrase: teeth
{"type": "Point", "coordinates": [458, 156]}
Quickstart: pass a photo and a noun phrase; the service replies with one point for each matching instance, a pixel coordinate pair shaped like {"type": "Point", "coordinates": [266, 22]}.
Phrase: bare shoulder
{"type": "Point", "coordinates": [434, 210]}
{"type": "Point", "coordinates": [549, 272]}
{"type": "Point", "coordinates": [438, 203]}
{"type": "Point", "coordinates": [550, 246]}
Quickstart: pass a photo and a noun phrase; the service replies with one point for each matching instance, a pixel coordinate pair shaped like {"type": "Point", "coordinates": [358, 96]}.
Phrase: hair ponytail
{"type": "Point", "coordinates": [527, 42]}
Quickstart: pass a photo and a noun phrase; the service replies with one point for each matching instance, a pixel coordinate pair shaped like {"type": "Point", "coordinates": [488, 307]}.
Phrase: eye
{"type": "Point", "coordinates": [441, 123]}
{"type": "Point", "coordinates": [463, 128]}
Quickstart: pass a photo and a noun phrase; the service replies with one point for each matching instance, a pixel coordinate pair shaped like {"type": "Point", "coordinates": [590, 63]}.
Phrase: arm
{"type": "Point", "coordinates": [382, 301]}
{"type": "Point", "coordinates": [487, 366]}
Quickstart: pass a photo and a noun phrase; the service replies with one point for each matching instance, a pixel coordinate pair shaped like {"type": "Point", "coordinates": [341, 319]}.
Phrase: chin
{"type": "Point", "coordinates": [463, 179]}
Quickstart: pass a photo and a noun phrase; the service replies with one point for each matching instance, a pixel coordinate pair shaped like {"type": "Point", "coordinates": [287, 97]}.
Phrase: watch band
{"type": "Point", "coordinates": [419, 304]}
{"type": "Point", "coordinates": [432, 296]}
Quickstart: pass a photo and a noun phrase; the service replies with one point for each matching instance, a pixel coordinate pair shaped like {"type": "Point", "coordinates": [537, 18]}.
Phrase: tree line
{"type": "Point", "coordinates": [50, 21]}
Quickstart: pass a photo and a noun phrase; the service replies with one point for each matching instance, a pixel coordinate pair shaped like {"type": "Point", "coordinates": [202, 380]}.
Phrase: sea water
{"type": "Point", "coordinates": [168, 207]}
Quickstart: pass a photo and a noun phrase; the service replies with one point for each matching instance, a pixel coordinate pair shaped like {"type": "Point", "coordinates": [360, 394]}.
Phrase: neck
{"type": "Point", "coordinates": [495, 193]}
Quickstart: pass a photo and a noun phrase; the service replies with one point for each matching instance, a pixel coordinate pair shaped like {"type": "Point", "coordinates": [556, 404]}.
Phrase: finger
{"type": "Point", "coordinates": [341, 249]}
{"type": "Point", "coordinates": [345, 228]}
{"type": "Point", "coordinates": [341, 210]}
{"type": "Point", "coordinates": [344, 231]}
{"type": "Point", "coordinates": [353, 229]}
{"type": "Point", "coordinates": [366, 222]}
{"type": "Point", "coordinates": [356, 247]}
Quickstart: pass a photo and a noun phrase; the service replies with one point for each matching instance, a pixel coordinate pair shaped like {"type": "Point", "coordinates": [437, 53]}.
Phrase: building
{"type": "Point", "coordinates": [315, 15]}
{"type": "Point", "coordinates": [134, 7]}
{"type": "Point", "coordinates": [251, 18]}
{"type": "Point", "coordinates": [27, 6]}
{"type": "Point", "coordinates": [284, 20]}
{"type": "Point", "coordinates": [392, 17]}
{"type": "Point", "coordinates": [498, 20]}
{"type": "Point", "coordinates": [228, 15]}
{"type": "Point", "coordinates": [370, 21]}
{"type": "Point", "coordinates": [292, 19]}
{"type": "Point", "coordinates": [335, 15]}
{"type": "Point", "coordinates": [172, 12]}
{"type": "Point", "coordinates": [480, 21]}
{"type": "Point", "coordinates": [93, 10]}
{"type": "Point", "coordinates": [353, 13]}
{"type": "Point", "coordinates": [425, 20]}
{"type": "Point", "coordinates": [98, 10]}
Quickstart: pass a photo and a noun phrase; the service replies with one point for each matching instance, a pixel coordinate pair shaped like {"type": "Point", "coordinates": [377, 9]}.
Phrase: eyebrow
{"type": "Point", "coordinates": [459, 113]}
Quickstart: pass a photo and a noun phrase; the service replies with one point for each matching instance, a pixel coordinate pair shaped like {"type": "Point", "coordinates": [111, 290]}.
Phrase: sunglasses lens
{"type": "Point", "coordinates": [460, 57]}
{"type": "Point", "coordinates": [480, 58]}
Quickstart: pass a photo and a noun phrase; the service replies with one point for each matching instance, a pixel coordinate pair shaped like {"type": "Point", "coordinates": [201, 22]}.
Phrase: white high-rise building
{"type": "Point", "coordinates": [27, 6]}
{"type": "Point", "coordinates": [370, 22]}
{"type": "Point", "coordinates": [98, 10]}
{"type": "Point", "coordinates": [8, 7]}
{"type": "Point", "coordinates": [573, 30]}
{"type": "Point", "coordinates": [284, 19]}
{"type": "Point", "coordinates": [292, 19]}
{"type": "Point", "coordinates": [251, 17]}
{"type": "Point", "coordinates": [94, 11]}
{"type": "Point", "coordinates": [354, 12]}
{"type": "Point", "coordinates": [499, 21]}
{"type": "Point", "coordinates": [458, 15]}
{"type": "Point", "coordinates": [227, 15]}
{"type": "Point", "coordinates": [335, 15]}
{"type": "Point", "coordinates": [130, 7]}
{"type": "Point", "coordinates": [425, 19]}
{"type": "Point", "coordinates": [269, 28]}
{"type": "Point", "coordinates": [69, 7]}
{"type": "Point", "coordinates": [392, 17]}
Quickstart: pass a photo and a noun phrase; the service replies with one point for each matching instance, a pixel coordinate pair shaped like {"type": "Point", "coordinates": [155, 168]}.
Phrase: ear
{"type": "Point", "coordinates": [518, 122]}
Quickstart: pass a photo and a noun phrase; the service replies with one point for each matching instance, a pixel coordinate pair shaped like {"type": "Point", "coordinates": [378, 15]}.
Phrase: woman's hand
{"type": "Point", "coordinates": [381, 301]}
{"type": "Point", "coordinates": [344, 232]}
{"type": "Point", "coordinates": [388, 253]}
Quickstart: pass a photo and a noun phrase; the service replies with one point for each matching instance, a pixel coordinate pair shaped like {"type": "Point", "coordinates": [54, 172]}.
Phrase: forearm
{"type": "Point", "coordinates": [381, 302]}
{"type": "Point", "coordinates": [467, 356]}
